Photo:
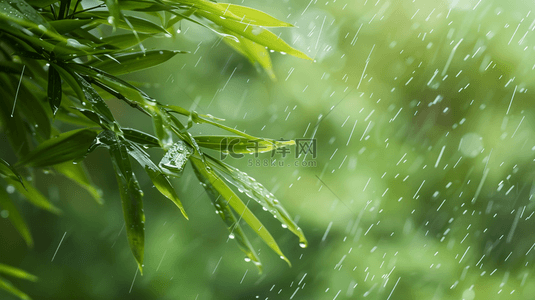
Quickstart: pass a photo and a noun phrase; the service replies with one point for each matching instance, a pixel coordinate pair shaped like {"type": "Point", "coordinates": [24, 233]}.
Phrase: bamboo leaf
{"type": "Point", "coordinates": [131, 198]}
{"type": "Point", "coordinates": [131, 62]}
{"type": "Point", "coordinates": [78, 174]}
{"type": "Point", "coordinates": [254, 52]}
{"type": "Point", "coordinates": [156, 175]}
{"type": "Point", "coordinates": [136, 24]}
{"type": "Point", "coordinates": [15, 217]}
{"type": "Point", "coordinates": [140, 137]}
{"type": "Point", "coordinates": [208, 177]}
{"type": "Point", "coordinates": [9, 171]}
{"type": "Point", "coordinates": [33, 196]}
{"type": "Point", "coordinates": [68, 25]}
{"type": "Point", "coordinates": [67, 146]}
{"type": "Point", "coordinates": [16, 272]}
{"type": "Point", "coordinates": [250, 15]}
{"type": "Point", "coordinates": [224, 211]}
{"type": "Point", "coordinates": [259, 193]}
{"type": "Point", "coordinates": [236, 144]}
{"type": "Point", "coordinates": [8, 287]}
{"type": "Point", "coordinates": [125, 41]}
{"type": "Point", "coordinates": [54, 89]}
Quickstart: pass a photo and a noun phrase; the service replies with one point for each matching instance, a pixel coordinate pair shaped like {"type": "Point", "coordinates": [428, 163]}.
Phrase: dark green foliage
{"type": "Point", "coordinates": [49, 53]}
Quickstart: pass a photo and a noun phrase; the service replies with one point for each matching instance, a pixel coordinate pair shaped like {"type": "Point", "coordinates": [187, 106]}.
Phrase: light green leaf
{"type": "Point", "coordinates": [78, 174]}
{"type": "Point", "coordinates": [236, 144]}
{"type": "Point", "coordinates": [210, 177]}
{"type": "Point", "coordinates": [131, 62]}
{"type": "Point", "coordinates": [224, 211]}
{"type": "Point", "coordinates": [259, 193]}
{"type": "Point", "coordinates": [14, 216]}
{"type": "Point", "coordinates": [15, 272]}
{"type": "Point", "coordinates": [253, 16]}
{"type": "Point", "coordinates": [33, 195]}
{"type": "Point", "coordinates": [67, 146]}
{"type": "Point", "coordinates": [254, 52]}
{"type": "Point", "coordinates": [7, 286]}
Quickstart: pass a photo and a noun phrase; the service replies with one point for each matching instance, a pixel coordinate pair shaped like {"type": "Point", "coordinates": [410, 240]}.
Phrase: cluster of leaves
{"type": "Point", "coordinates": [58, 72]}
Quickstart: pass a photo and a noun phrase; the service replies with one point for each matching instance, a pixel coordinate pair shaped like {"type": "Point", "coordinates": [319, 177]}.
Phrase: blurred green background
{"type": "Point", "coordinates": [423, 185]}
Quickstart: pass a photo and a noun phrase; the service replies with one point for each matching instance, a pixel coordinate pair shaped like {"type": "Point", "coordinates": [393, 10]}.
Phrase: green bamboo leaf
{"type": "Point", "coordinates": [137, 24]}
{"type": "Point", "coordinates": [210, 177]}
{"type": "Point", "coordinates": [254, 52]}
{"type": "Point", "coordinates": [8, 287]}
{"type": "Point", "coordinates": [34, 111]}
{"type": "Point", "coordinates": [140, 137]}
{"type": "Point", "coordinates": [125, 41]}
{"type": "Point", "coordinates": [68, 25]}
{"type": "Point", "coordinates": [78, 174]}
{"type": "Point", "coordinates": [114, 10]}
{"type": "Point", "coordinates": [7, 170]}
{"type": "Point", "coordinates": [236, 144]}
{"type": "Point", "coordinates": [162, 129]}
{"type": "Point", "coordinates": [86, 93]}
{"type": "Point", "coordinates": [131, 62]}
{"type": "Point", "coordinates": [15, 217]}
{"type": "Point", "coordinates": [256, 34]}
{"type": "Point", "coordinates": [250, 15]}
{"type": "Point", "coordinates": [259, 193]}
{"type": "Point", "coordinates": [131, 198]}
{"type": "Point", "coordinates": [67, 146]}
{"type": "Point", "coordinates": [18, 273]}
{"type": "Point", "coordinates": [22, 10]}
{"type": "Point", "coordinates": [147, 6]}
{"type": "Point", "coordinates": [54, 89]}
{"type": "Point", "coordinates": [12, 123]}
{"type": "Point", "coordinates": [156, 175]}
{"type": "Point", "coordinates": [224, 211]}
{"type": "Point", "coordinates": [33, 196]}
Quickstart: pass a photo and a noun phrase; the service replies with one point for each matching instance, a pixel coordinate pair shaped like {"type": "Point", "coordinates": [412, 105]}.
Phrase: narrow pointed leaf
{"type": "Point", "coordinates": [8, 287]}
{"type": "Point", "coordinates": [68, 146]}
{"type": "Point", "coordinates": [33, 196]}
{"type": "Point", "coordinates": [137, 24]}
{"type": "Point", "coordinates": [67, 25]}
{"type": "Point", "coordinates": [236, 144]}
{"type": "Point", "coordinates": [16, 272]}
{"type": "Point", "coordinates": [131, 198]}
{"type": "Point", "coordinates": [131, 62]}
{"type": "Point", "coordinates": [235, 202]}
{"type": "Point", "coordinates": [250, 15]}
{"type": "Point", "coordinates": [140, 137]}
{"type": "Point", "coordinates": [78, 174]}
{"type": "Point", "coordinates": [7, 170]}
{"type": "Point", "coordinates": [125, 41]}
{"type": "Point", "coordinates": [254, 52]}
{"type": "Point", "coordinates": [224, 211]}
{"type": "Point", "coordinates": [156, 175]}
{"type": "Point", "coordinates": [54, 89]}
{"type": "Point", "coordinates": [259, 193]}
{"type": "Point", "coordinates": [14, 216]}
